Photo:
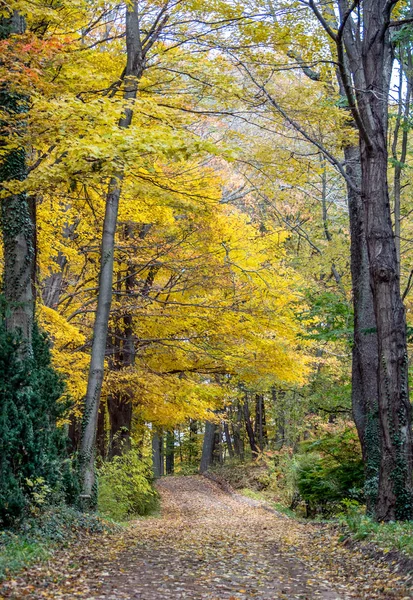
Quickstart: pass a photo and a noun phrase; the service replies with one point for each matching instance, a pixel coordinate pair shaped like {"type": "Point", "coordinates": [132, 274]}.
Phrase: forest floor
{"type": "Point", "coordinates": [208, 543]}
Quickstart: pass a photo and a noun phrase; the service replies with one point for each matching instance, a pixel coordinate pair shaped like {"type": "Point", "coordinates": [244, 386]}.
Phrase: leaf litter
{"type": "Point", "coordinates": [211, 544]}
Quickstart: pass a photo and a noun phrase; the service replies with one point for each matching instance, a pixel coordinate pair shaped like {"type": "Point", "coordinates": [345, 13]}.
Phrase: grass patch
{"type": "Point", "coordinates": [36, 538]}
{"type": "Point", "coordinates": [266, 497]}
{"type": "Point", "coordinates": [19, 553]}
{"type": "Point", "coordinates": [386, 536]}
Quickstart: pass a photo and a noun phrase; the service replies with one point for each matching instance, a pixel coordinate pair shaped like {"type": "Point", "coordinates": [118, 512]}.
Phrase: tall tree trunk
{"type": "Point", "coordinates": [193, 435]}
{"type": "Point", "coordinates": [395, 480]}
{"type": "Point", "coordinates": [52, 285]}
{"type": "Point", "coordinates": [365, 346]}
{"type": "Point", "coordinates": [120, 417]}
{"type": "Point", "coordinates": [236, 432]}
{"type": "Point", "coordinates": [133, 72]}
{"type": "Point", "coordinates": [157, 454]}
{"type": "Point", "coordinates": [208, 447]}
{"type": "Point", "coordinates": [228, 440]}
{"type": "Point", "coordinates": [395, 495]}
{"type": "Point", "coordinates": [260, 421]}
{"type": "Point", "coordinates": [17, 224]}
{"type": "Point", "coordinates": [280, 420]}
{"type": "Point", "coordinates": [217, 455]}
{"type": "Point", "coordinates": [74, 434]}
{"type": "Point", "coordinates": [120, 403]}
{"type": "Point", "coordinates": [365, 62]}
{"type": "Point", "coordinates": [249, 429]}
{"type": "Point", "coordinates": [170, 452]}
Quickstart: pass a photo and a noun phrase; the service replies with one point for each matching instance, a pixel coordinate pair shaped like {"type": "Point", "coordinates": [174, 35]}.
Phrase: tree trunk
{"type": "Point", "coordinates": [280, 418]}
{"type": "Point", "coordinates": [162, 452]}
{"type": "Point", "coordinates": [100, 330]}
{"type": "Point", "coordinates": [120, 417]}
{"type": "Point", "coordinates": [365, 345]}
{"type": "Point", "coordinates": [170, 452]}
{"type": "Point", "coordinates": [365, 62]}
{"type": "Point", "coordinates": [260, 421]}
{"type": "Point", "coordinates": [208, 446]}
{"type": "Point", "coordinates": [395, 480]}
{"type": "Point", "coordinates": [249, 429]}
{"type": "Point", "coordinates": [217, 456]}
{"type": "Point", "coordinates": [395, 497]}
{"type": "Point", "coordinates": [236, 432]}
{"type": "Point", "coordinates": [157, 454]}
{"type": "Point", "coordinates": [228, 440]}
{"type": "Point", "coordinates": [17, 224]}
{"type": "Point", "coordinates": [52, 285]}
{"type": "Point", "coordinates": [193, 435]}
{"type": "Point", "coordinates": [74, 434]}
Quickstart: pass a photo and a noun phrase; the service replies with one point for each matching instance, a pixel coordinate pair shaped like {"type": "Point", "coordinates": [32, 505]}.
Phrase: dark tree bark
{"type": "Point", "coordinates": [217, 454]}
{"type": "Point", "coordinates": [157, 454]}
{"type": "Point", "coordinates": [170, 452]}
{"type": "Point", "coordinates": [18, 227]}
{"type": "Point", "coordinates": [395, 497]}
{"type": "Point", "coordinates": [120, 417]}
{"type": "Point", "coordinates": [250, 430]}
{"type": "Point", "coordinates": [74, 434]}
{"type": "Point", "coordinates": [123, 350]}
{"type": "Point", "coordinates": [365, 344]}
{"type": "Point", "coordinates": [365, 62]}
{"type": "Point", "coordinates": [52, 286]}
{"type": "Point", "coordinates": [365, 354]}
{"type": "Point", "coordinates": [120, 403]}
{"type": "Point", "coordinates": [228, 440]}
{"type": "Point", "coordinates": [162, 452]}
{"type": "Point", "coordinates": [236, 432]}
{"type": "Point", "coordinates": [260, 428]}
{"type": "Point", "coordinates": [208, 447]}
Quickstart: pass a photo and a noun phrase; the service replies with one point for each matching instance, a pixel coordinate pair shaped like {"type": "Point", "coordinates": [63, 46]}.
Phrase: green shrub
{"type": "Point", "coordinates": [328, 471]}
{"type": "Point", "coordinates": [125, 487]}
{"type": "Point", "coordinates": [32, 448]}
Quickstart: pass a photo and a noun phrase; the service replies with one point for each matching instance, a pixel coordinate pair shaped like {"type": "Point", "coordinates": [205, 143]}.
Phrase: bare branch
{"type": "Point", "coordinates": [330, 157]}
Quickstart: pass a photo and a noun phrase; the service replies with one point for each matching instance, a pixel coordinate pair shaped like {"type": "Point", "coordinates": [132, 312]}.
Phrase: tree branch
{"type": "Point", "coordinates": [331, 159]}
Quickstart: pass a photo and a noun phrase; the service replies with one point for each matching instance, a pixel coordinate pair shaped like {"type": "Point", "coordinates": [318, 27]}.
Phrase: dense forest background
{"type": "Point", "coordinates": [206, 250]}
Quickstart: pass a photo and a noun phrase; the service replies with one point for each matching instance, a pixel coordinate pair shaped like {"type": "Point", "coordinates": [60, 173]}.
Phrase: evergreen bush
{"type": "Point", "coordinates": [329, 471]}
{"type": "Point", "coordinates": [34, 468]}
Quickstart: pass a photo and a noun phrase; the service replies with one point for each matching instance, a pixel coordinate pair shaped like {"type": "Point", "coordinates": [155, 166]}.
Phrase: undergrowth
{"type": "Point", "coordinates": [253, 475]}
{"type": "Point", "coordinates": [36, 538]}
{"type": "Point", "coordinates": [267, 498]}
{"type": "Point", "coordinates": [386, 537]}
{"type": "Point", "coordinates": [249, 480]}
{"type": "Point", "coordinates": [126, 487]}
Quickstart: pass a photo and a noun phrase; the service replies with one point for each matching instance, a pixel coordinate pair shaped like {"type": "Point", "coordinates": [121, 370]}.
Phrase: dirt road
{"type": "Point", "coordinates": [214, 545]}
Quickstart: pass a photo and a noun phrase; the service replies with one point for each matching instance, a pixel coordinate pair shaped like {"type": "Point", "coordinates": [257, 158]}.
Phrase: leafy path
{"type": "Point", "coordinates": [211, 544]}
